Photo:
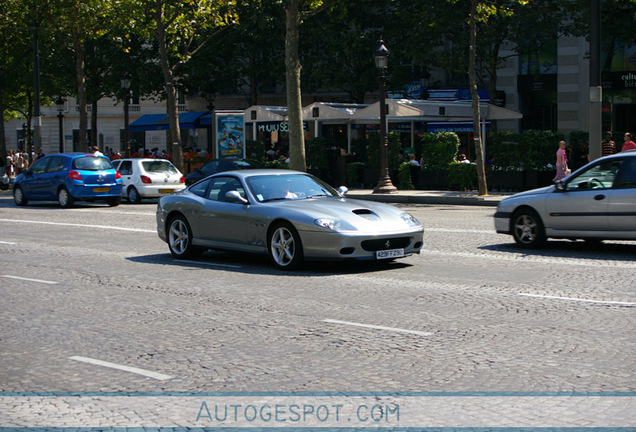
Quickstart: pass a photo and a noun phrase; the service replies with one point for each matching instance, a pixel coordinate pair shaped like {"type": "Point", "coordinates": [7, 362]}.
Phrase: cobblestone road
{"type": "Point", "coordinates": [471, 313]}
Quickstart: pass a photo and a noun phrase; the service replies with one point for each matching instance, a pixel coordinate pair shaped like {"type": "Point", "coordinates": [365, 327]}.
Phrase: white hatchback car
{"type": "Point", "coordinates": [148, 178]}
{"type": "Point", "coordinates": [596, 202]}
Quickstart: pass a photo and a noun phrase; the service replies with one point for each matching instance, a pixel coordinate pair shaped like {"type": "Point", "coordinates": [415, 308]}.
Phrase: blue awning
{"type": "Point", "coordinates": [153, 122]}
{"type": "Point", "coordinates": [460, 126]}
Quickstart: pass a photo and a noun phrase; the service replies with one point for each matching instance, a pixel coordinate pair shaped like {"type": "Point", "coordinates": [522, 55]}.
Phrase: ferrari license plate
{"type": "Point", "coordinates": [165, 191]}
{"type": "Point", "coordinates": [389, 253]}
{"type": "Point", "coordinates": [101, 189]}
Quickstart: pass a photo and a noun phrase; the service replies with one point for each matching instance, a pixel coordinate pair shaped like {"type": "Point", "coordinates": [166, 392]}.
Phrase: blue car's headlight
{"type": "Point", "coordinates": [410, 220]}
{"type": "Point", "coordinates": [334, 224]}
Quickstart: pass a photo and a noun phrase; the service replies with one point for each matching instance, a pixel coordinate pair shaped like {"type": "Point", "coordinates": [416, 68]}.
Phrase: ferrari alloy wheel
{"type": "Point", "coordinates": [180, 238]}
{"type": "Point", "coordinates": [285, 248]}
{"type": "Point", "coordinates": [527, 228]}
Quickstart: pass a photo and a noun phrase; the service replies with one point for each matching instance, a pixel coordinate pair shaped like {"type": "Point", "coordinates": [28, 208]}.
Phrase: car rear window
{"type": "Point", "coordinates": [159, 167]}
{"type": "Point", "coordinates": [92, 163]}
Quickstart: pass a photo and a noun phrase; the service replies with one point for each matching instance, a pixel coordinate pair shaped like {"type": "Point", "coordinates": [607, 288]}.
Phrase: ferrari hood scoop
{"type": "Point", "coordinates": [367, 214]}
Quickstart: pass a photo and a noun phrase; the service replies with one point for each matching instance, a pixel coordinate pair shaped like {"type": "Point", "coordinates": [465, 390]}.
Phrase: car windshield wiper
{"type": "Point", "coordinates": [317, 195]}
{"type": "Point", "coordinates": [274, 199]}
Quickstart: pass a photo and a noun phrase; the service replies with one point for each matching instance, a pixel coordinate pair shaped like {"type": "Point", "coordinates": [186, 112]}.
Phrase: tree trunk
{"type": "Point", "coordinates": [3, 141]}
{"type": "Point", "coordinates": [171, 94]}
{"type": "Point", "coordinates": [292, 80]}
{"type": "Point", "coordinates": [81, 91]}
{"type": "Point", "coordinates": [479, 149]}
{"type": "Point", "coordinates": [94, 139]}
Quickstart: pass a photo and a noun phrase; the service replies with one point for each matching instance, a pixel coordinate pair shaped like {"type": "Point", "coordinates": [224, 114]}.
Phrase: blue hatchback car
{"type": "Point", "coordinates": [69, 177]}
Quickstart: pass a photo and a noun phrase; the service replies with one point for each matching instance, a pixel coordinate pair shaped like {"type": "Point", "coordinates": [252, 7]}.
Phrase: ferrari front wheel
{"type": "Point", "coordinates": [285, 248]}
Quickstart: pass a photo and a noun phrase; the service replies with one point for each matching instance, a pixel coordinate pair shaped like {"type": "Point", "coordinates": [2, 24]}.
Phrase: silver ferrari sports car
{"type": "Point", "coordinates": [289, 215]}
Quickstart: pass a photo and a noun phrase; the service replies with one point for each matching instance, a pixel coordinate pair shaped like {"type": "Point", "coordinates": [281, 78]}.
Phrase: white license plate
{"type": "Point", "coordinates": [389, 253]}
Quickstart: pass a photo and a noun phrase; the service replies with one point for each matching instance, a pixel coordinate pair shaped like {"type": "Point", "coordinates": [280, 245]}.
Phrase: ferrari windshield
{"type": "Point", "coordinates": [292, 186]}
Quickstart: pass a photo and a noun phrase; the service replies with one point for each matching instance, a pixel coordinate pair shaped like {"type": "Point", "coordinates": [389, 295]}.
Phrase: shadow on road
{"type": "Point", "coordinates": [260, 264]}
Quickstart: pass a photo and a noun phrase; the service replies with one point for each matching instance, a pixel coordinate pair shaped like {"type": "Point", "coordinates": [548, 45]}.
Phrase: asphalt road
{"type": "Point", "coordinates": [471, 313]}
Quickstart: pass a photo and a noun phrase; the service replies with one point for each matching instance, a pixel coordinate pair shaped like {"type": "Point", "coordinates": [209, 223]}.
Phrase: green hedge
{"type": "Point", "coordinates": [462, 176]}
{"type": "Point", "coordinates": [439, 150]}
{"type": "Point", "coordinates": [316, 154]}
{"type": "Point", "coordinates": [405, 181]}
{"type": "Point", "coordinates": [393, 152]}
{"type": "Point", "coordinates": [531, 149]}
{"type": "Point", "coordinates": [355, 173]}
{"type": "Point", "coordinates": [254, 149]}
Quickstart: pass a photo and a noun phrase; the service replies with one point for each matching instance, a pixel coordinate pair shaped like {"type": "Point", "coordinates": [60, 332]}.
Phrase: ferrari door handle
{"type": "Point", "coordinates": [599, 197]}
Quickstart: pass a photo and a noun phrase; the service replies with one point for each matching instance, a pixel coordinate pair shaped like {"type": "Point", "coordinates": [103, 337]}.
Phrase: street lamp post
{"type": "Point", "coordinates": [60, 116]}
{"type": "Point", "coordinates": [125, 85]}
{"type": "Point", "coordinates": [210, 98]}
{"type": "Point", "coordinates": [384, 185]}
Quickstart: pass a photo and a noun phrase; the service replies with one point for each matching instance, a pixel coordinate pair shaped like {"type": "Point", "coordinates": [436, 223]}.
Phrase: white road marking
{"type": "Point", "coordinates": [8, 243]}
{"type": "Point", "coordinates": [377, 327]}
{"type": "Point", "coordinates": [579, 299]}
{"type": "Point", "coordinates": [460, 231]}
{"type": "Point", "coordinates": [147, 373]}
{"type": "Point", "coordinates": [524, 258]}
{"type": "Point", "coordinates": [80, 225]}
{"type": "Point", "coordinates": [30, 280]}
{"type": "Point", "coordinates": [210, 264]}
{"type": "Point", "coordinates": [119, 212]}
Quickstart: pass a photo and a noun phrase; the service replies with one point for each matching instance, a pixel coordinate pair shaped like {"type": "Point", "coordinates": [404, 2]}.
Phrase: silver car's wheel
{"type": "Point", "coordinates": [180, 239]}
{"type": "Point", "coordinates": [285, 248]}
{"type": "Point", "coordinates": [527, 228]}
{"type": "Point", "coordinates": [18, 197]}
{"type": "Point", "coordinates": [65, 199]}
{"type": "Point", "coordinates": [133, 195]}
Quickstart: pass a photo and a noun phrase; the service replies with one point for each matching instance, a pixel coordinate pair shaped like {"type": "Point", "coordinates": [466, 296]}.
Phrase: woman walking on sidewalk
{"type": "Point", "coordinates": [561, 162]}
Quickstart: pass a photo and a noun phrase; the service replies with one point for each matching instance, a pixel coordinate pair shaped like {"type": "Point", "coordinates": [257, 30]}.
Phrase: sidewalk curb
{"type": "Point", "coordinates": [428, 197]}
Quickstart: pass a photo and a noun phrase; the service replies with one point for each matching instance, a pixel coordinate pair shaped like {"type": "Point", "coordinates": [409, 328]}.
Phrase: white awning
{"type": "Point", "coordinates": [418, 110]}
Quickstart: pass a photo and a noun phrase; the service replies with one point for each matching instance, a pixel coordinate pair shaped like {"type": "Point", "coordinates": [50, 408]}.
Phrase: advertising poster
{"type": "Point", "coordinates": [230, 137]}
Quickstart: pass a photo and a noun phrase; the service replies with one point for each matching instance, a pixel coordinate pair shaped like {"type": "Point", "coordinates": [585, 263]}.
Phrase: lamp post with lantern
{"type": "Point", "coordinates": [60, 116]}
{"type": "Point", "coordinates": [125, 85]}
{"type": "Point", "coordinates": [384, 185]}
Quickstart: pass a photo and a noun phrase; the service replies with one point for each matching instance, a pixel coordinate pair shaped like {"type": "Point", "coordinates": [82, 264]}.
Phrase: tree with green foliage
{"type": "Point", "coordinates": [180, 31]}
{"type": "Point", "coordinates": [15, 54]}
{"type": "Point", "coordinates": [248, 59]}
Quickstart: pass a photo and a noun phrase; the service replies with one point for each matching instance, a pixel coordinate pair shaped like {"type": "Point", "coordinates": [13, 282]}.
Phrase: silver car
{"type": "Point", "coordinates": [594, 203]}
{"type": "Point", "coordinates": [289, 215]}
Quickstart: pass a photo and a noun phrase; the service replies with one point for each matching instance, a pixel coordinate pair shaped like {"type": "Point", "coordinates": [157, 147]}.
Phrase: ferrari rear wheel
{"type": "Point", "coordinates": [180, 239]}
{"type": "Point", "coordinates": [285, 248]}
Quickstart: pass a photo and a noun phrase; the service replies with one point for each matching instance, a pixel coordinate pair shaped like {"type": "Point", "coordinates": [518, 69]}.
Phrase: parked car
{"type": "Point", "coordinates": [596, 202]}
{"type": "Point", "coordinates": [289, 215]}
{"type": "Point", "coordinates": [148, 178]}
{"type": "Point", "coordinates": [220, 165]}
{"type": "Point", "coordinates": [69, 177]}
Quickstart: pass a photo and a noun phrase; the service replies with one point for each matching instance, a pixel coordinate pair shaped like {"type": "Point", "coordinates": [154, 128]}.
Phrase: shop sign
{"type": "Point", "coordinates": [279, 127]}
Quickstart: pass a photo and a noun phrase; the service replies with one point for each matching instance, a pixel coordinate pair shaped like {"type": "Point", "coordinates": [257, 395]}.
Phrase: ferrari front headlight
{"type": "Point", "coordinates": [410, 220]}
{"type": "Point", "coordinates": [334, 224]}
